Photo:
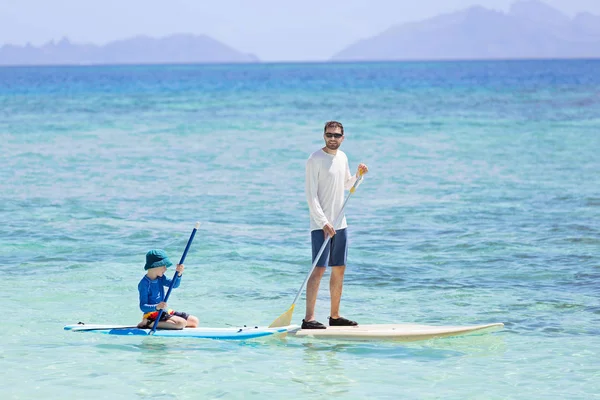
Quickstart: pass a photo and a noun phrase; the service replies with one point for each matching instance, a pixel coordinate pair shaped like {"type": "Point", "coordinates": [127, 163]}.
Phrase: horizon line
{"type": "Point", "coordinates": [291, 62]}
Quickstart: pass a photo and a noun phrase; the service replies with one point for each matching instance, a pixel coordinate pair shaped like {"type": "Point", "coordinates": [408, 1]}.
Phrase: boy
{"type": "Point", "coordinates": [152, 293]}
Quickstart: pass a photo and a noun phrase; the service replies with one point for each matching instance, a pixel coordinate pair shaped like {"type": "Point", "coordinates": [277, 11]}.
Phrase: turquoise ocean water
{"type": "Point", "coordinates": [482, 205]}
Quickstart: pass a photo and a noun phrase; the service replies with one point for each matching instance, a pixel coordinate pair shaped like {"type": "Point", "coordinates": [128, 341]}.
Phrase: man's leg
{"type": "Point", "coordinates": [314, 281]}
{"type": "Point", "coordinates": [312, 289]}
{"type": "Point", "coordinates": [336, 283]}
{"type": "Point", "coordinates": [339, 254]}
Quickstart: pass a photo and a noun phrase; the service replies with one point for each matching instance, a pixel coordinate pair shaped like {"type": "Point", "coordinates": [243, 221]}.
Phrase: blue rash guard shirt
{"type": "Point", "coordinates": [152, 292]}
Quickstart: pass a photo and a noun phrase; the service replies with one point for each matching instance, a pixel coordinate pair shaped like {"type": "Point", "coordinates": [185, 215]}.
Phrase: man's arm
{"type": "Point", "coordinates": [312, 187]}
{"type": "Point", "coordinates": [349, 178]}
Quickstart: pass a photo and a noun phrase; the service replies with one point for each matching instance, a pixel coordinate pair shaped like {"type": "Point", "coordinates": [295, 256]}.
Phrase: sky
{"type": "Point", "coordinates": [273, 30]}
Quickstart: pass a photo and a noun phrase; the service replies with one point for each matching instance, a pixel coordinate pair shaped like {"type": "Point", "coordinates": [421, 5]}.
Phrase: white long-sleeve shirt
{"type": "Point", "coordinates": [327, 177]}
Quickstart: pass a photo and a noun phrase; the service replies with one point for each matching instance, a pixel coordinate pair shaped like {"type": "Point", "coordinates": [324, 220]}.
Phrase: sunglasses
{"type": "Point", "coordinates": [334, 135]}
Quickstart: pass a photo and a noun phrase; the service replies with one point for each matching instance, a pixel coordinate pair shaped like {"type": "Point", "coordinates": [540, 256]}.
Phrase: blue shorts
{"type": "Point", "coordinates": [336, 250]}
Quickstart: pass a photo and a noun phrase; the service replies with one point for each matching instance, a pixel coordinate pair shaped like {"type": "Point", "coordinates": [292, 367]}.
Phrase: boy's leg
{"type": "Point", "coordinates": [145, 323]}
{"type": "Point", "coordinates": [192, 322]}
{"type": "Point", "coordinates": [167, 321]}
{"type": "Point", "coordinates": [174, 322]}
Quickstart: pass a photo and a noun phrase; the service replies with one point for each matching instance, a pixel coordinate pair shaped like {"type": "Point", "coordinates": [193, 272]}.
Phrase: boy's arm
{"type": "Point", "coordinates": [167, 282]}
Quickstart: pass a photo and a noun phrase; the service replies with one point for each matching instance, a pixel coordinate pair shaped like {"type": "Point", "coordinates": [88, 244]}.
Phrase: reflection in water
{"type": "Point", "coordinates": [432, 349]}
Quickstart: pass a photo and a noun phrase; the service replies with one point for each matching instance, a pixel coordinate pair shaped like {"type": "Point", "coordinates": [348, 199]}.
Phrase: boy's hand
{"type": "Point", "coordinates": [179, 269]}
{"type": "Point", "coordinates": [161, 306]}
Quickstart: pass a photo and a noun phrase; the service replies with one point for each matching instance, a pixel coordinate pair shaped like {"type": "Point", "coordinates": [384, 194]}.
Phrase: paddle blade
{"type": "Point", "coordinates": [284, 319]}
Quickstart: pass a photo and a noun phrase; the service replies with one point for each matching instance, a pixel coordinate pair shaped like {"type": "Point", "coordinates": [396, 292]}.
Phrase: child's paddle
{"type": "Point", "coordinates": [187, 247]}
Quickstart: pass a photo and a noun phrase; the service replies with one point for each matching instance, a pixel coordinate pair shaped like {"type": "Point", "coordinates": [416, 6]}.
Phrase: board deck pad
{"type": "Point", "coordinates": [397, 332]}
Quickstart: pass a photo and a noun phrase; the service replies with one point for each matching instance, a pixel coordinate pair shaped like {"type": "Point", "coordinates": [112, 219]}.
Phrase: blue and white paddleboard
{"type": "Point", "coordinates": [239, 333]}
{"type": "Point", "coordinates": [393, 332]}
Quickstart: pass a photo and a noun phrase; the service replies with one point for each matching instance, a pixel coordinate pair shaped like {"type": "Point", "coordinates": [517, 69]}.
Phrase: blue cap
{"type": "Point", "coordinates": [157, 258]}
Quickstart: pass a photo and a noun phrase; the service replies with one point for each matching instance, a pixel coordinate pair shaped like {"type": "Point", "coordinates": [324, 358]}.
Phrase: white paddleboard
{"type": "Point", "coordinates": [395, 332]}
{"type": "Point", "coordinates": [237, 333]}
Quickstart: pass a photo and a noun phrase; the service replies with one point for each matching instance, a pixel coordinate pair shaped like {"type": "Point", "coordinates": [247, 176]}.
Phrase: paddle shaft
{"type": "Point", "coordinates": [187, 247]}
{"type": "Point", "coordinates": [335, 222]}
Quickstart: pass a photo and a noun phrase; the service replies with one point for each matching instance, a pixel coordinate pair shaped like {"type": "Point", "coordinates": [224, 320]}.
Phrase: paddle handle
{"type": "Point", "coordinates": [187, 247]}
{"type": "Point", "coordinates": [335, 222]}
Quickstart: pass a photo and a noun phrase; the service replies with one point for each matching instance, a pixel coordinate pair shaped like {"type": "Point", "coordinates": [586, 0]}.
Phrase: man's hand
{"type": "Point", "coordinates": [329, 231]}
{"type": "Point", "coordinates": [362, 168]}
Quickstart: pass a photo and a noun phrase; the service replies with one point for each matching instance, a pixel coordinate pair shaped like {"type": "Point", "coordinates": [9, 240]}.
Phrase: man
{"type": "Point", "coordinates": [327, 177]}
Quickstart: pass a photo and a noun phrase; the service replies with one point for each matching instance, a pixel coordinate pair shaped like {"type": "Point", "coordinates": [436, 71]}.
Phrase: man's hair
{"type": "Point", "coordinates": [333, 124]}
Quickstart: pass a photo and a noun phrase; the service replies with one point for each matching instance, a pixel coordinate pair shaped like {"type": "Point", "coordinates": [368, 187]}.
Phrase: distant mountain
{"type": "Point", "coordinates": [181, 48]}
{"type": "Point", "coordinates": [531, 29]}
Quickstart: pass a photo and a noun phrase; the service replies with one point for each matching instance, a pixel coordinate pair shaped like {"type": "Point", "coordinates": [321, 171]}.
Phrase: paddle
{"type": "Point", "coordinates": [187, 247]}
{"type": "Point", "coordinates": [285, 319]}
